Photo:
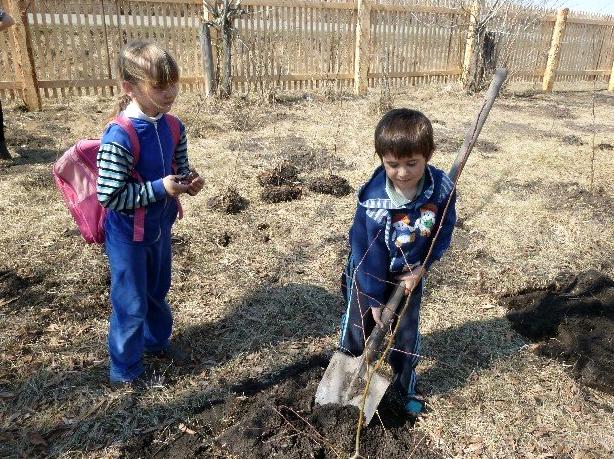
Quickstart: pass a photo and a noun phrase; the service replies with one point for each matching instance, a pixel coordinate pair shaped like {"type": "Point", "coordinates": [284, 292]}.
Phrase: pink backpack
{"type": "Point", "coordinates": [75, 174]}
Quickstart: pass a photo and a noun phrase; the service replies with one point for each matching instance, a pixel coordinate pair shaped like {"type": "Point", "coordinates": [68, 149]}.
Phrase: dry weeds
{"type": "Point", "coordinates": [270, 298]}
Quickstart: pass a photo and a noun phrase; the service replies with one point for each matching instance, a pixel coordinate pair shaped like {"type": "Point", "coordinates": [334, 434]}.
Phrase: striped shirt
{"type": "Point", "coordinates": [117, 188]}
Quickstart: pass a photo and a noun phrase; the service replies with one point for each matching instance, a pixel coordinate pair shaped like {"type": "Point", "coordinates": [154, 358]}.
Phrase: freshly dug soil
{"type": "Point", "coordinates": [230, 202]}
{"type": "Point", "coordinates": [274, 194]}
{"type": "Point", "coordinates": [282, 174]}
{"type": "Point", "coordinates": [330, 184]}
{"type": "Point", "coordinates": [282, 421]}
{"type": "Point", "coordinates": [573, 319]}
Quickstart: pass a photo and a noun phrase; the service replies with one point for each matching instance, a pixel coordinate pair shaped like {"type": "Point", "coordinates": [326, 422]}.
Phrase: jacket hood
{"type": "Point", "coordinates": [372, 195]}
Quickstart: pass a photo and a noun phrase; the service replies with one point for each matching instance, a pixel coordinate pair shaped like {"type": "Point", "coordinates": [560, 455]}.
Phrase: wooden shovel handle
{"type": "Point", "coordinates": [471, 137]}
{"type": "Point", "coordinates": [388, 315]}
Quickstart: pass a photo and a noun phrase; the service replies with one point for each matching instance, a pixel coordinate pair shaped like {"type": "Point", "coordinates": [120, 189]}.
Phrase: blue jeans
{"type": "Point", "coordinates": [141, 319]}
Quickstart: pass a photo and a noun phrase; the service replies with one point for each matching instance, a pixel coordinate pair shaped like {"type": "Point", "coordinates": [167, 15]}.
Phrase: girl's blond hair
{"type": "Point", "coordinates": [145, 63]}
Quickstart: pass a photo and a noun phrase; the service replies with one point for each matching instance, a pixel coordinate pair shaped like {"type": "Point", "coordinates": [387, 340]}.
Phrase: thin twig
{"type": "Point", "coordinates": [317, 437]}
{"type": "Point", "coordinates": [593, 124]}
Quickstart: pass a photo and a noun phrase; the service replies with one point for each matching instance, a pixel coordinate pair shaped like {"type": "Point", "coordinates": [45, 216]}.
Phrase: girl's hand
{"type": "Point", "coordinates": [173, 187]}
{"type": "Point", "coordinates": [412, 278]}
{"type": "Point", "coordinates": [196, 184]}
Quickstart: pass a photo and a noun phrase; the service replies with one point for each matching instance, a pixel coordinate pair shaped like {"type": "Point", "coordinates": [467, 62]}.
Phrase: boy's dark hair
{"type": "Point", "coordinates": [403, 132]}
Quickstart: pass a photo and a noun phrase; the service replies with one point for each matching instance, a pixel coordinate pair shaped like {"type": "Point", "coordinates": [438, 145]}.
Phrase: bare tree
{"type": "Point", "coordinates": [498, 27]}
{"type": "Point", "coordinates": [223, 13]}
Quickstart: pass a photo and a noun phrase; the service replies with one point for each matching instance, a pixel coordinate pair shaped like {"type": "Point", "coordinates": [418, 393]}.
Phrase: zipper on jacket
{"type": "Point", "coordinates": [163, 174]}
{"type": "Point", "coordinates": [161, 151]}
{"type": "Point", "coordinates": [161, 157]}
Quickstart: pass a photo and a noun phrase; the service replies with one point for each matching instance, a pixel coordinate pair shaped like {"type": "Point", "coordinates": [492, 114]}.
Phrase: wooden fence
{"type": "Point", "coordinates": [68, 47]}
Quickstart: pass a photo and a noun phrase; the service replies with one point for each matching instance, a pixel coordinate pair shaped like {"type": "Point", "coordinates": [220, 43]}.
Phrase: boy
{"type": "Point", "coordinates": [398, 213]}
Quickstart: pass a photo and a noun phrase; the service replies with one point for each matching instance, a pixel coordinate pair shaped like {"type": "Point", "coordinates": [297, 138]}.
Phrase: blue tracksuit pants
{"type": "Point", "coordinates": [141, 319]}
{"type": "Point", "coordinates": [357, 324]}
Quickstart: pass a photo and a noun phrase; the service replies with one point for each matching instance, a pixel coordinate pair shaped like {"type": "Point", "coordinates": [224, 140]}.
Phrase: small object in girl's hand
{"type": "Point", "coordinates": [185, 179]}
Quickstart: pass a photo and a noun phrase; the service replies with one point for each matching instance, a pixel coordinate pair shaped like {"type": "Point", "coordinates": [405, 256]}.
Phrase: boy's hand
{"type": "Point", "coordinates": [196, 184]}
{"type": "Point", "coordinates": [412, 278]}
{"type": "Point", "coordinates": [173, 187]}
{"type": "Point", "coordinates": [377, 316]}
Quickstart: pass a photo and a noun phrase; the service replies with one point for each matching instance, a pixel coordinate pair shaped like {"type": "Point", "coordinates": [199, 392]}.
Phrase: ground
{"type": "Point", "coordinates": [256, 285]}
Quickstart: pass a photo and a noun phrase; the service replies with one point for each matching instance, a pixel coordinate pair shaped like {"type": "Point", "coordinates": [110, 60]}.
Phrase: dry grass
{"type": "Point", "coordinates": [269, 298]}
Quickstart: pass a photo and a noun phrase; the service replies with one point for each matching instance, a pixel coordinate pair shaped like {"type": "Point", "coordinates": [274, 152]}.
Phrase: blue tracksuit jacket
{"type": "Point", "coordinates": [386, 239]}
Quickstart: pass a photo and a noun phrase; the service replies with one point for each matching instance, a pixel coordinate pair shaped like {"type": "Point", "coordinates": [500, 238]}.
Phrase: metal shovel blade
{"type": "Point", "coordinates": [344, 382]}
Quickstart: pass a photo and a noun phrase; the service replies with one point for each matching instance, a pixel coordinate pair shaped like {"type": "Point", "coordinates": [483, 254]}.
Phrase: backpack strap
{"type": "Point", "coordinates": [125, 123]}
{"type": "Point", "coordinates": [175, 127]}
{"type": "Point", "coordinates": [135, 148]}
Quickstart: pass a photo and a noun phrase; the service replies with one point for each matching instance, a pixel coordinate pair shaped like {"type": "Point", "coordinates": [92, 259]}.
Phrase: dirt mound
{"type": "Point", "coordinates": [330, 184]}
{"type": "Point", "coordinates": [282, 174]}
{"type": "Point", "coordinates": [230, 202]}
{"type": "Point", "coordinates": [573, 140]}
{"type": "Point", "coordinates": [573, 319]}
{"type": "Point", "coordinates": [275, 194]}
{"type": "Point", "coordinates": [282, 421]}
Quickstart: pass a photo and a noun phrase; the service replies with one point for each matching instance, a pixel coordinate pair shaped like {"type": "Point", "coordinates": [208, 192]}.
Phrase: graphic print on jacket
{"type": "Point", "coordinates": [387, 239]}
{"type": "Point", "coordinates": [120, 193]}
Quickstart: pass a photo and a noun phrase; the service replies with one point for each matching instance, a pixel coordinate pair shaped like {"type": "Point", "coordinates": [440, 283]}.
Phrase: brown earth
{"type": "Point", "coordinates": [330, 184]}
{"type": "Point", "coordinates": [256, 296]}
{"type": "Point", "coordinates": [282, 193]}
{"type": "Point", "coordinates": [279, 419]}
{"type": "Point", "coordinates": [230, 201]}
{"type": "Point", "coordinates": [285, 173]}
{"type": "Point", "coordinates": [573, 319]}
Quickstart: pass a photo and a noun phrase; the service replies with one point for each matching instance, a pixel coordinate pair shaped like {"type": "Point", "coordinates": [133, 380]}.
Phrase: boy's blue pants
{"type": "Point", "coordinates": [141, 319]}
{"type": "Point", "coordinates": [357, 323]}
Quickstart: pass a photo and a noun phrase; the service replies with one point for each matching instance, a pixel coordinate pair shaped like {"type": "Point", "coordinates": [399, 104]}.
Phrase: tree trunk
{"type": "Point", "coordinates": [483, 60]}
{"type": "Point", "coordinates": [207, 56]}
{"type": "Point", "coordinates": [227, 45]}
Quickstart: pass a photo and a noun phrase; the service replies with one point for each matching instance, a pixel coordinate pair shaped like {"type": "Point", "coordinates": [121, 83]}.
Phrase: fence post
{"type": "Point", "coordinates": [363, 42]}
{"type": "Point", "coordinates": [472, 32]}
{"type": "Point", "coordinates": [207, 55]}
{"type": "Point", "coordinates": [23, 54]}
{"type": "Point", "coordinates": [611, 84]}
{"type": "Point", "coordinates": [554, 53]}
{"type": "Point", "coordinates": [106, 42]}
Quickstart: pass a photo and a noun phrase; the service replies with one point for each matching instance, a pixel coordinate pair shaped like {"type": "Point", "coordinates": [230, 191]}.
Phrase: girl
{"type": "Point", "coordinates": [140, 204]}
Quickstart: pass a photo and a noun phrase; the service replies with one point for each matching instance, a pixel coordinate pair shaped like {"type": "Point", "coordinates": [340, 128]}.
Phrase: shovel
{"type": "Point", "coordinates": [346, 378]}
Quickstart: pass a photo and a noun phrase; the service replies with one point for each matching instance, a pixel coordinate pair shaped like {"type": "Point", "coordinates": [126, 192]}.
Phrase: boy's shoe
{"type": "Point", "coordinates": [414, 407]}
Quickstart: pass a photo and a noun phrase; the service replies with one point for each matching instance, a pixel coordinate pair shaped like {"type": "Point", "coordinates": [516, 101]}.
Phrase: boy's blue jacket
{"type": "Point", "coordinates": [386, 239]}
